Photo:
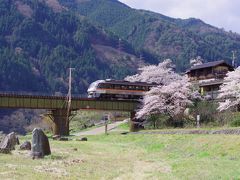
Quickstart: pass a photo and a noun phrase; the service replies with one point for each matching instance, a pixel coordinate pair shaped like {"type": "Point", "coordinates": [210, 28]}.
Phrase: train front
{"type": "Point", "coordinates": [93, 90]}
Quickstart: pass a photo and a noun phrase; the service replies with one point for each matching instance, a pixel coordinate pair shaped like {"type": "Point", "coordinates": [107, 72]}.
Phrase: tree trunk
{"type": "Point", "coordinates": [134, 123]}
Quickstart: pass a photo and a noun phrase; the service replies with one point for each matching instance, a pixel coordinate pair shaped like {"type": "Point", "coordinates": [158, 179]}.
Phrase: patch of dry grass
{"type": "Point", "coordinates": [131, 157]}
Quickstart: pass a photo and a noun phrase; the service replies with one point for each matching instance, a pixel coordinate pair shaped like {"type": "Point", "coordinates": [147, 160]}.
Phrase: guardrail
{"type": "Point", "coordinates": [59, 102]}
{"type": "Point", "coordinates": [40, 94]}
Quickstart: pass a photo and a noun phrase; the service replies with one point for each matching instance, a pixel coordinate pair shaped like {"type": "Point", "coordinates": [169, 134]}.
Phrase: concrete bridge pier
{"type": "Point", "coordinates": [135, 124]}
{"type": "Point", "coordinates": [61, 122]}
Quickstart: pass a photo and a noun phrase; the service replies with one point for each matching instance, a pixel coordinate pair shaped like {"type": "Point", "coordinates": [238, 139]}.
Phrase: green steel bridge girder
{"type": "Point", "coordinates": [53, 103]}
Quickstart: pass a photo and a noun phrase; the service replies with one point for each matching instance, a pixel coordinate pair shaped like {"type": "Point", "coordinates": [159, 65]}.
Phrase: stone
{"type": "Point", "coordinates": [8, 143]}
{"type": "Point", "coordinates": [59, 138]}
{"type": "Point", "coordinates": [63, 139]}
{"type": "Point", "coordinates": [82, 139]}
{"type": "Point", "coordinates": [40, 144]}
{"type": "Point", "coordinates": [26, 146]}
{"type": "Point", "coordinates": [56, 137]}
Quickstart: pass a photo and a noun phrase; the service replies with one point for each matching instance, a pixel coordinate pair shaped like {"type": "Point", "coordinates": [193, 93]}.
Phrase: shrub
{"type": "Point", "coordinates": [236, 120]}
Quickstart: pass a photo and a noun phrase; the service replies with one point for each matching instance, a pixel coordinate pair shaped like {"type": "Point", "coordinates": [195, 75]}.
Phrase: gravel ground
{"type": "Point", "coordinates": [221, 131]}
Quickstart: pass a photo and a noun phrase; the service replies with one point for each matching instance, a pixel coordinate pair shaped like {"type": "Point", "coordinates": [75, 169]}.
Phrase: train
{"type": "Point", "coordinates": [118, 89]}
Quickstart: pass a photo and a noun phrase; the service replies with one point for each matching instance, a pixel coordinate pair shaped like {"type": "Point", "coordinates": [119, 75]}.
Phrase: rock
{"type": "Point", "coordinates": [63, 139]}
{"type": "Point", "coordinates": [82, 139]}
{"type": "Point", "coordinates": [56, 137]}
{"type": "Point", "coordinates": [59, 138]}
{"type": "Point", "coordinates": [8, 143]}
{"type": "Point", "coordinates": [26, 146]}
{"type": "Point", "coordinates": [40, 144]}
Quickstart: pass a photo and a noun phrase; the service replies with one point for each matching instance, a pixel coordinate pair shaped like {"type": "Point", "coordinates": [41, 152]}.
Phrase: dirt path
{"type": "Point", "coordinates": [101, 130]}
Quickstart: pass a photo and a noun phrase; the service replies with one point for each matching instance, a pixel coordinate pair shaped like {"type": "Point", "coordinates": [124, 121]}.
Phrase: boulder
{"type": "Point", "coordinates": [26, 146]}
{"type": "Point", "coordinates": [8, 143]}
{"type": "Point", "coordinates": [56, 137]}
{"type": "Point", "coordinates": [63, 139]}
{"type": "Point", "coordinates": [40, 144]}
{"type": "Point", "coordinates": [60, 138]}
{"type": "Point", "coordinates": [82, 139]}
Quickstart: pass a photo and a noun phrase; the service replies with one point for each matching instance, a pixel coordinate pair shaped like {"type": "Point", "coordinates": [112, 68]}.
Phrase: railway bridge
{"type": "Point", "coordinates": [57, 105]}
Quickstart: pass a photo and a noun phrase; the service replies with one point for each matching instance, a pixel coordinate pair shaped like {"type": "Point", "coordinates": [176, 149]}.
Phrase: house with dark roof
{"type": "Point", "coordinates": [209, 76]}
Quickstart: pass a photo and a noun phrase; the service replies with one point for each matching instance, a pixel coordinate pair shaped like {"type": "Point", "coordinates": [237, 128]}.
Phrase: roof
{"type": "Point", "coordinates": [210, 64]}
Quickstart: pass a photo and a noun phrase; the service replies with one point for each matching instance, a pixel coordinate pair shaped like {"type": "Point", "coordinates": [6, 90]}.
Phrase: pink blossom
{"type": "Point", "coordinates": [171, 96]}
{"type": "Point", "coordinates": [230, 90]}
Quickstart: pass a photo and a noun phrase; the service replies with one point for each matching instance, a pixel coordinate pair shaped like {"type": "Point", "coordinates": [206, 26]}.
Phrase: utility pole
{"type": "Point", "coordinates": [234, 58]}
{"type": "Point", "coordinates": [141, 56]}
{"type": "Point", "coordinates": [120, 47]}
{"type": "Point", "coordinates": [69, 95]}
{"type": "Point", "coordinates": [106, 119]}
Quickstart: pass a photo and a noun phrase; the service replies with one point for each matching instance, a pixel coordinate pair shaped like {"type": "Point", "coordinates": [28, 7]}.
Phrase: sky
{"type": "Point", "coordinates": [220, 13]}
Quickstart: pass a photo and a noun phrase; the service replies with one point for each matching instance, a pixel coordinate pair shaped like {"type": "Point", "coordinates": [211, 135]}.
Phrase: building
{"type": "Point", "coordinates": [209, 76]}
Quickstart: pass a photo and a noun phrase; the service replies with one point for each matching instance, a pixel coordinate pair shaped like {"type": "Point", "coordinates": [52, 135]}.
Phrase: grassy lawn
{"type": "Point", "coordinates": [131, 157]}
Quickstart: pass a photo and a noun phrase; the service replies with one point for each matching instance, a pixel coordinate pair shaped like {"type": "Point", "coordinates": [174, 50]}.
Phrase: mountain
{"type": "Point", "coordinates": [41, 39]}
{"type": "Point", "coordinates": [162, 36]}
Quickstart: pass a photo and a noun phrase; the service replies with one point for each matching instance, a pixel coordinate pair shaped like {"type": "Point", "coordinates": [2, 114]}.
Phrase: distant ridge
{"type": "Point", "coordinates": [162, 36]}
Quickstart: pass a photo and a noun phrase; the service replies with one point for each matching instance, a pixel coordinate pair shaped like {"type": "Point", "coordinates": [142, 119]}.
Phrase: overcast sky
{"type": "Point", "coordinates": [221, 13]}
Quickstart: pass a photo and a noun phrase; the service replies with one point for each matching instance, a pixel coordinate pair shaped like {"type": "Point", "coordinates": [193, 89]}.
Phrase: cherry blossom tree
{"type": "Point", "coordinates": [230, 90]}
{"type": "Point", "coordinates": [197, 61]}
{"type": "Point", "coordinates": [161, 74]}
{"type": "Point", "coordinates": [169, 97]}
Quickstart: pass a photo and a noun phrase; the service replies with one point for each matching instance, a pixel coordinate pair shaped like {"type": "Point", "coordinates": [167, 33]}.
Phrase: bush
{"type": "Point", "coordinates": [164, 121]}
{"type": "Point", "coordinates": [236, 120]}
{"type": "Point", "coordinates": [209, 117]}
{"type": "Point", "coordinates": [207, 111]}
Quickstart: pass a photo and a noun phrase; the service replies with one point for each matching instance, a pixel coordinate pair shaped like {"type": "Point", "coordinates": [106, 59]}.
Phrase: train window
{"type": "Point", "coordinates": [117, 87]}
{"type": "Point", "coordinates": [103, 86]}
{"type": "Point", "coordinates": [109, 86]}
{"type": "Point", "coordinates": [123, 87]}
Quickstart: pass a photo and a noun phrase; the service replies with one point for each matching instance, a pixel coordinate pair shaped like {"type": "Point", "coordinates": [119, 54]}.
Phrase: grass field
{"type": "Point", "coordinates": [131, 157]}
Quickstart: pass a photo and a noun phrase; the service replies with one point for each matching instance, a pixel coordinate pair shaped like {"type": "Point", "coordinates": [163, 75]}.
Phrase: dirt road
{"type": "Point", "coordinates": [101, 130]}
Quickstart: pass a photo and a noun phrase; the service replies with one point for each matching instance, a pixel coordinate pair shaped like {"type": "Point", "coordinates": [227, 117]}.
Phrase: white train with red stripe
{"type": "Point", "coordinates": [118, 89]}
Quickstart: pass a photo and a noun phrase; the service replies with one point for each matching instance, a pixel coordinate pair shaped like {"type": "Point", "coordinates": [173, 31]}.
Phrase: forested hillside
{"type": "Point", "coordinates": [40, 40]}
{"type": "Point", "coordinates": [163, 36]}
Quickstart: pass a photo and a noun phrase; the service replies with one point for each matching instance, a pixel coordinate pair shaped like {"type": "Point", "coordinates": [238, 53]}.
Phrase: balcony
{"type": "Point", "coordinates": [215, 75]}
